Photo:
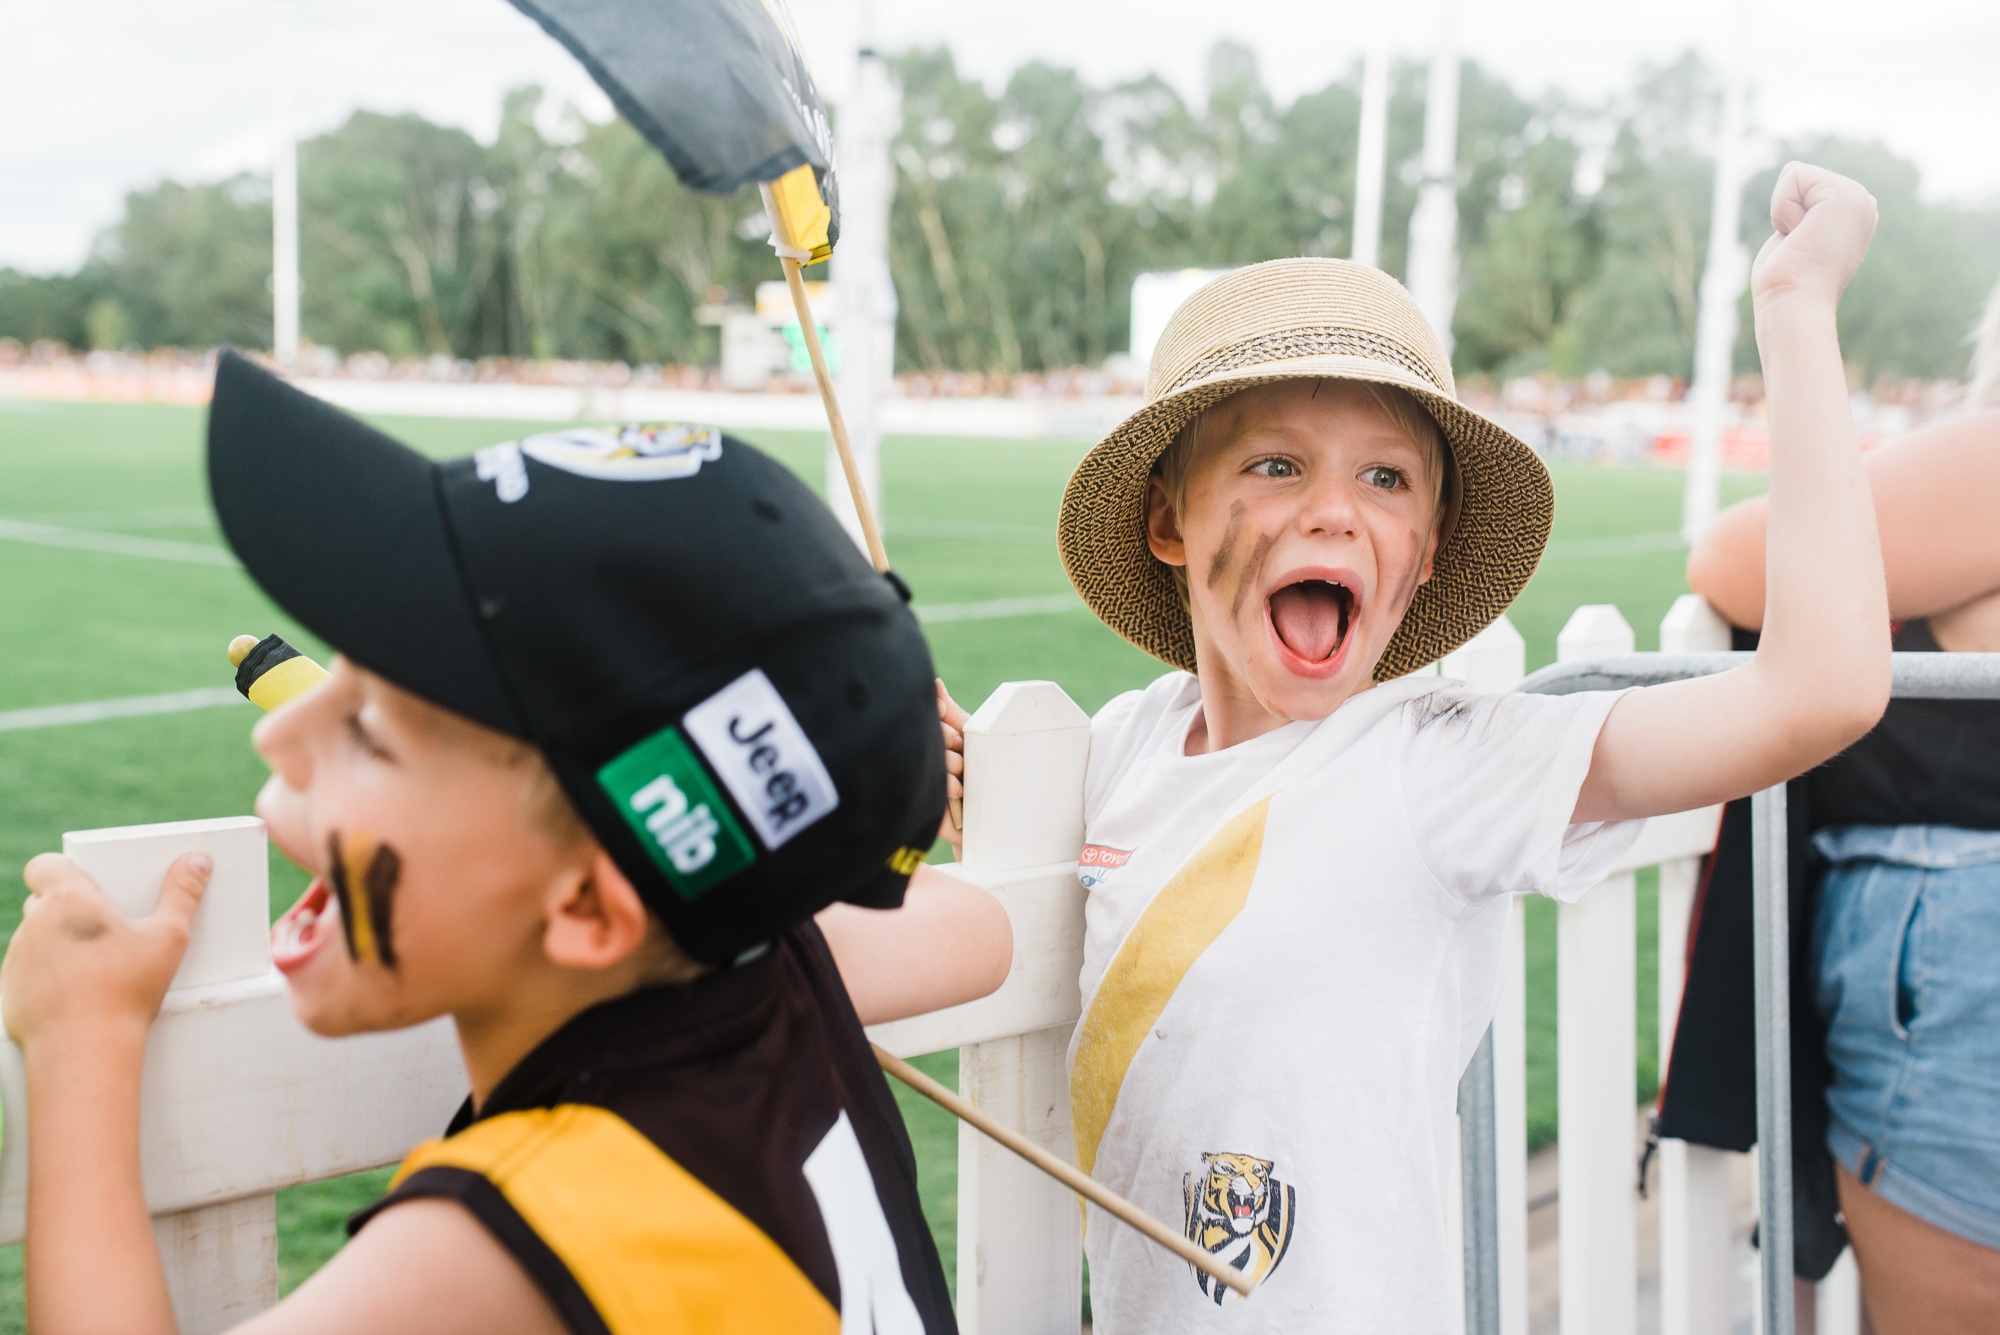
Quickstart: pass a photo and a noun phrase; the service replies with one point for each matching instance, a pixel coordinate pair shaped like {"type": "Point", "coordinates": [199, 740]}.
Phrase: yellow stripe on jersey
{"type": "Point", "coordinates": [655, 1251]}
{"type": "Point", "coordinates": [1183, 920]}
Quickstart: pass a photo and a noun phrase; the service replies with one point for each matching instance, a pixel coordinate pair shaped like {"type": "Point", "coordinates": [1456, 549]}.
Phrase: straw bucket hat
{"type": "Point", "coordinates": [1290, 320]}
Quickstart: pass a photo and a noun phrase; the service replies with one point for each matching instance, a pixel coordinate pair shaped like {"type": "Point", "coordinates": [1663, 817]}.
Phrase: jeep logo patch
{"type": "Point", "coordinates": [683, 823]}
{"type": "Point", "coordinates": [761, 754]}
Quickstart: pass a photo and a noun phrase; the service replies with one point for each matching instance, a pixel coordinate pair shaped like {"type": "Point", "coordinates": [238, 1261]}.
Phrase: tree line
{"type": "Point", "coordinates": [1020, 220]}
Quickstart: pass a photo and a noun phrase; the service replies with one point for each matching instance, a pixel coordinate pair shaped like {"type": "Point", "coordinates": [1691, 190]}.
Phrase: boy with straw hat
{"type": "Point", "coordinates": [1298, 854]}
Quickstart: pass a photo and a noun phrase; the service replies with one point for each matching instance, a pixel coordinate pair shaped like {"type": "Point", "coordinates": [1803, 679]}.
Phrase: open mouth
{"type": "Point", "coordinates": [306, 926]}
{"type": "Point", "coordinates": [1312, 617]}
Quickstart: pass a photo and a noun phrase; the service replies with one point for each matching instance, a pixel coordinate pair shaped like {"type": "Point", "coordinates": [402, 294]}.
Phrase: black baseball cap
{"type": "Point", "coordinates": [739, 706]}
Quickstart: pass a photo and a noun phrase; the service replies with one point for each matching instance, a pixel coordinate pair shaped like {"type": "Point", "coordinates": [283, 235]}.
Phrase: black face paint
{"type": "Point", "coordinates": [364, 875]}
{"type": "Point", "coordinates": [1251, 570]}
{"type": "Point", "coordinates": [1218, 565]}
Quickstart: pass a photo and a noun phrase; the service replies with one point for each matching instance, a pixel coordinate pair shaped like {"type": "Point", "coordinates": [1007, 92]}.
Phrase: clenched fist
{"type": "Point", "coordinates": [1823, 224]}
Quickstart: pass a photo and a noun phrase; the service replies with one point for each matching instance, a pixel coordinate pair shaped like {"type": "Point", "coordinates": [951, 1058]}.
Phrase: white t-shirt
{"type": "Point", "coordinates": [1292, 948]}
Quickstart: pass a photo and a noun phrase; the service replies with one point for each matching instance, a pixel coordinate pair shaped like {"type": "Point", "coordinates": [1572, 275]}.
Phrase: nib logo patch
{"type": "Point", "coordinates": [683, 823]}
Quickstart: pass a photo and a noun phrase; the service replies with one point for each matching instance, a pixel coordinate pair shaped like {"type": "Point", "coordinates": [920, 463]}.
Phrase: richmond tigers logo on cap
{"type": "Point", "coordinates": [635, 452]}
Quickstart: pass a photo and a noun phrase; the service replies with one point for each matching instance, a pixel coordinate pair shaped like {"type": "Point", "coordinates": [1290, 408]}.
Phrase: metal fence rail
{"type": "Point", "coordinates": [1914, 677]}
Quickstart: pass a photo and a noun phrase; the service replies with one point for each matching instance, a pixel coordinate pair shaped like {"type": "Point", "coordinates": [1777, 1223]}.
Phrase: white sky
{"type": "Point", "coordinates": [100, 96]}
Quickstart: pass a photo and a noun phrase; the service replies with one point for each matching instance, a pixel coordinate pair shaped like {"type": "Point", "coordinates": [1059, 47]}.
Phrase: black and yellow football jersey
{"type": "Point", "coordinates": [722, 1155]}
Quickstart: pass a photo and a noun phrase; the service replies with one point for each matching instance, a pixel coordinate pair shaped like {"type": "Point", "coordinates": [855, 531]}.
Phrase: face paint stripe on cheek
{"type": "Point", "coordinates": [1219, 564]}
{"type": "Point", "coordinates": [1251, 570]}
{"type": "Point", "coordinates": [336, 872]}
{"type": "Point", "coordinates": [383, 872]}
{"type": "Point", "coordinates": [364, 877]}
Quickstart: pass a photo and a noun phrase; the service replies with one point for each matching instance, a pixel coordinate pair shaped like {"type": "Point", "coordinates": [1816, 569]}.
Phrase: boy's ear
{"type": "Point", "coordinates": [1435, 541]}
{"type": "Point", "coordinates": [595, 920]}
{"type": "Point", "coordinates": [1163, 527]}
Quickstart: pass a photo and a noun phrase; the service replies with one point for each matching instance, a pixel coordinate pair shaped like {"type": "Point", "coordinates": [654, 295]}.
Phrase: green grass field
{"type": "Point", "coordinates": [80, 625]}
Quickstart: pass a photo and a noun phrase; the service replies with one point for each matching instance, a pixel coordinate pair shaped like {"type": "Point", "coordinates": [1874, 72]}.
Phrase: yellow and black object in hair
{"type": "Point", "coordinates": [270, 672]}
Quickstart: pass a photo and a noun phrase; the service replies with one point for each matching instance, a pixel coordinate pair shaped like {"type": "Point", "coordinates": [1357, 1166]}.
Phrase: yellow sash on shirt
{"type": "Point", "coordinates": [1183, 920]}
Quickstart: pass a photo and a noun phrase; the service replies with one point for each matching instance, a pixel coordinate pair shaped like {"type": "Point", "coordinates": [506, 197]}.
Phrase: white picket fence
{"type": "Point", "coordinates": [240, 1100]}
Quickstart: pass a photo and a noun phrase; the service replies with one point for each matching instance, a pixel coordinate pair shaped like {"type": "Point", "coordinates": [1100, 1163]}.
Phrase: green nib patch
{"type": "Point", "coordinates": [687, 829]}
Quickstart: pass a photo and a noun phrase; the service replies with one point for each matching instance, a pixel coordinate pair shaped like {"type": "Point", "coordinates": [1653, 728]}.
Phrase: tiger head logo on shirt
{"type": "Point", "coordinates": [1237, 1211]}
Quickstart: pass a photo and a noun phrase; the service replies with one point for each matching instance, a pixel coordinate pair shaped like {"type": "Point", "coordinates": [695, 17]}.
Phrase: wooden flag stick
{"type": "Point", "coordinates": [1217, 1269]}
{"type": "Point", "coordinates": [876, 552]}
{"type": "Point", "coordinates": [859, 493]}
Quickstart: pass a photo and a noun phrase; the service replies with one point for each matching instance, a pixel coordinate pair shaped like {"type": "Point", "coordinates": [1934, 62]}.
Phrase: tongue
{"type": "Point", "coordinates": [1307, 616]}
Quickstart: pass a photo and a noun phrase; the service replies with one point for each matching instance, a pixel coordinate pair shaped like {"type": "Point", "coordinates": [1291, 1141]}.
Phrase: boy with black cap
{"type": "Point", "coordinates": [616, 715]}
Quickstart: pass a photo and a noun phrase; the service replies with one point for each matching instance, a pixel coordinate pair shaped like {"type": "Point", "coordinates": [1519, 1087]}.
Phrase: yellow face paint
{"type": "Point", "coordinates": [363, 874]}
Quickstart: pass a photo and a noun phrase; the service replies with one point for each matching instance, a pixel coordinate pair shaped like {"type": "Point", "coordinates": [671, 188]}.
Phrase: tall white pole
{"type": "Point", "coordinates": [284, 191]}
{"type": "Point", "coordinates": [1371, 156]}
{"type": "Point", "coordinates": [1433, 268]}
{"type": "Point", "coordinates": [866, 312]}
{"type": "Point", "coordinates": [1722, 283]}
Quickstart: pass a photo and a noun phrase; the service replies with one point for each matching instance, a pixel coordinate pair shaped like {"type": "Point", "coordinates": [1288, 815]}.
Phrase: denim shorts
{"type": "Point", "coordinates": [1908, 943]}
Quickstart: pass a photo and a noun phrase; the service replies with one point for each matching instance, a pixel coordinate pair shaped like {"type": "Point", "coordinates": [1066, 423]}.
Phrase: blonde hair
{"type": "Point", "coordinates": [1398, 405]}
{"type": "Point", "coordinates": [1984, 391]}
{"type": "Point", "coordinates": [543, 799]}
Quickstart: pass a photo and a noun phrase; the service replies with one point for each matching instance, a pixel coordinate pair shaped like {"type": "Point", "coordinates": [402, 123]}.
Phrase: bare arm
{"type": "Point", "coordinates": [425, 1267]}
{"type": "Point", "coordinates": [1820, 678]}
{"type": "Point", "coordinates": [950, 942]}
{"type": "Point", "coordinates": [1933, 493]}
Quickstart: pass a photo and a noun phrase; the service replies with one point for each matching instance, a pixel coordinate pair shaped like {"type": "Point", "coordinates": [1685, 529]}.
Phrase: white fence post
{"type": "Point", "coordinates": [221, 1261]}
{"type": "Point", "coordinates": [1496, 660]}
{"type": "Point", "coordinates": [237, 1098]}
{"type": "Point", "coordinates": [1695, 1223]}
{"type": "Point", "coordinates": [1596, 1059]}
{"type": "Point", "coordinates": [1020, 1234]}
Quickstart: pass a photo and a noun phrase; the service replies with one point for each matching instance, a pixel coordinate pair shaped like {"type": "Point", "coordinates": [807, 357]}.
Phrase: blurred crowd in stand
{"type": "Point", "coordinates": [1597, 417]}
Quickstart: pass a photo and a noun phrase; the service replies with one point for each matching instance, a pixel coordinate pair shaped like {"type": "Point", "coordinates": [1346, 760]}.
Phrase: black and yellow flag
{"type": "Point", "coordinates": [722, 88]}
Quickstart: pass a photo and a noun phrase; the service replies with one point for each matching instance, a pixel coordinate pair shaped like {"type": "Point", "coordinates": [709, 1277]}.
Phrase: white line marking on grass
{"type": "Point", "coordinates": [179, 516]}
{"type": "Point", "coordinates": [996, 608]}
{"type": "Point", "coordinates": [131, 706]}
{"type": "Point", "coordinates": [1630, 544]}
{"type": "Point", "coordinates": [119, 544]}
